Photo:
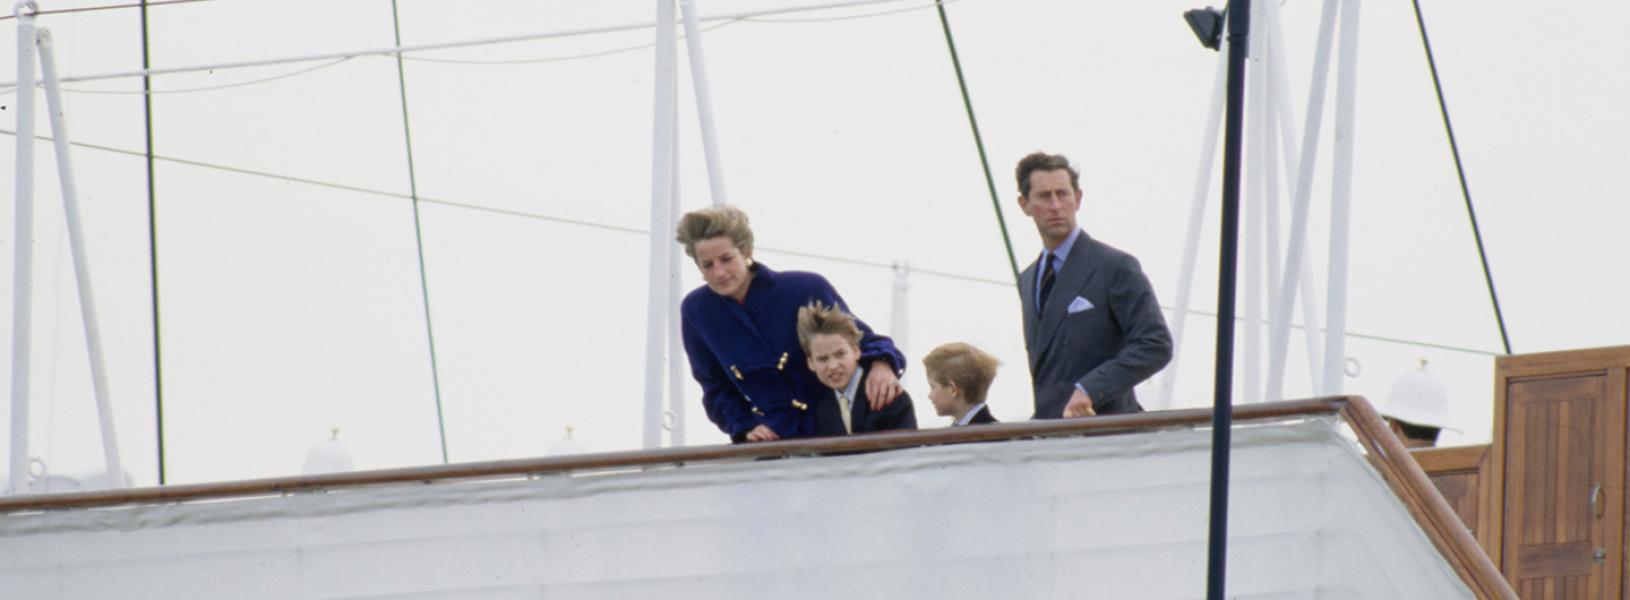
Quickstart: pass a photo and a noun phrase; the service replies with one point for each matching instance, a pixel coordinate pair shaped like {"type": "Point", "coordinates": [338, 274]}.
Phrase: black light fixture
{"type": "Point", "coordinates": [1207, 24]}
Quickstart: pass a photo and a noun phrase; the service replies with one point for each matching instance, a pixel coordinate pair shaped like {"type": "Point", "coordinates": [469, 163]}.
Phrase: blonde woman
{"type": "Point", "coordinates": [740, 331]}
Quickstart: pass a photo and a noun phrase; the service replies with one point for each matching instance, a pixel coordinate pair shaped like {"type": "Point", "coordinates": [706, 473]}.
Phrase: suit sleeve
{"type": "Point", "coordinates": [1148, 345]}
{"type": "Point", "coordinates": [873, 345]}
{"type": "Point", "coordinates": [899, 414]}
{"type": "Point", "coordinates": [724, 404]}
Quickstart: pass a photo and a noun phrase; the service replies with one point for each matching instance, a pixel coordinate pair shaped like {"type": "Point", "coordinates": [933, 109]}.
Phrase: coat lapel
{"type": "Point", "coordinates": [1077, 271]}
{"type": "Point", "coordinates": [859, 407]}
{"type": "Point", "coordinates": [1027, 300]}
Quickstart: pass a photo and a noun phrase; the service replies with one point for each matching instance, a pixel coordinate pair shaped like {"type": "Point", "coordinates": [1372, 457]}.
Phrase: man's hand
{"type": "Point", "coordinates": [882, 385]}
{"type": "Point", "coordinates": [762, 433]}
{"type": "Point", "coordinates": [1080, 405]}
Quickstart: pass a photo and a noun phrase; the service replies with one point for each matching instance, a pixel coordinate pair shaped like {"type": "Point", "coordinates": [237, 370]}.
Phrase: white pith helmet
{"type": "Point", "coordinates": [1419, 398]}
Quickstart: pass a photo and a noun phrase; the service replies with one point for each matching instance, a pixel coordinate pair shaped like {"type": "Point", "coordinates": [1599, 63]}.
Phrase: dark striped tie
{"type": "Point", "coordinates": [1046, 282]}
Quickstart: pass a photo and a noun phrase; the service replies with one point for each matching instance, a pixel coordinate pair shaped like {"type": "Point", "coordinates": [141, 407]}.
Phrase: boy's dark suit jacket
{"type": "Point", "coordinates": [899, 414]}
{"type": "Point", "coordinates": [982, 417]}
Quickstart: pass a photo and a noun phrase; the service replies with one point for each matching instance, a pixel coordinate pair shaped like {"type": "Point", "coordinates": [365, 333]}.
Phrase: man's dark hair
{"type": "Point", "coordinates": [1042, 161]}
{"type": "Point", "coordinates": [1425, 433]}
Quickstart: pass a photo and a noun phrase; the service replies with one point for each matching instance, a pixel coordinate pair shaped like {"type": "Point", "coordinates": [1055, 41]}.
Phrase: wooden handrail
{"type": "Point", "coordinates": [1387, 454]}
{"type": "Point", "coordinates": [1430, 510]}
{"type": "Point", "coordinates": [666, 456]}
{"type": "Point", "coordinates": [1457, 458]}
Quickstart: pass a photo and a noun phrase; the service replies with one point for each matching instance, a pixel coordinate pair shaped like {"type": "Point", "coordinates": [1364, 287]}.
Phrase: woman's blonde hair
{"type": "Point", "coordinates": [970, 368]}
{"type": "Point", "coordinates": [712, 222]}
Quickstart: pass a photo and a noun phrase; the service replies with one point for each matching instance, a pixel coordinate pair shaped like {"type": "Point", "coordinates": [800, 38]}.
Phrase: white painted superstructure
{"type": "Point", "coordinates": [1113, 516]}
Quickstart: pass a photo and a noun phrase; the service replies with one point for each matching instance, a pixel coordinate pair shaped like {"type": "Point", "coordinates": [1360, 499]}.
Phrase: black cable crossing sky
{"type": "Point", "coordinates": [418, 236]}
{"type": "Point", "coordinates": [152, 244]}
{"type": "Point", "coordinates": [979, 142]}
{"type": "Point", "coordinates": [1460, 170]}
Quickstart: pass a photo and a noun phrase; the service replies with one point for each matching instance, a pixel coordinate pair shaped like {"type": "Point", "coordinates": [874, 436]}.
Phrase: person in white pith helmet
{"type": "Point", "coordinates": [1417, 408]}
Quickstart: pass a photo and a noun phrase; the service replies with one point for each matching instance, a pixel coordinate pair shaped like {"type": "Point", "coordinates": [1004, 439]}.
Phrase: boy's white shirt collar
{"type": "Point", "coordinates": [850, 390]}
{"type": "Point", "coordinates": [971, 412]}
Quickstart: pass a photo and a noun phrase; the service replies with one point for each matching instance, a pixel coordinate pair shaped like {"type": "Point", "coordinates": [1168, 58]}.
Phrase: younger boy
{"type": "Point", "coordinates": [958, 377]}
{"type": "Point", "coordinates": [831, 343]}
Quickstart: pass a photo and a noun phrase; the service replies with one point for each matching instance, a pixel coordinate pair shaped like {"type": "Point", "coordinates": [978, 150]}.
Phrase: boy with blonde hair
{"type": "Point", "coordinates": [958, 377]}
{"type": "Point", "coordinates": [831, 344]}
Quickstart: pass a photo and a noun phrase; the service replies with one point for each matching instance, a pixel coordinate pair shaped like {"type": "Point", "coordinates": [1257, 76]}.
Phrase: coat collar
{"type": "Point", "coordinates": [758, 292]}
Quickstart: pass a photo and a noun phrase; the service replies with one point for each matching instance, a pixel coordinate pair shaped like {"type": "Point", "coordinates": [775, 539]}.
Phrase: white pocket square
{"type": "Point", "coordinates": [1079, 304]}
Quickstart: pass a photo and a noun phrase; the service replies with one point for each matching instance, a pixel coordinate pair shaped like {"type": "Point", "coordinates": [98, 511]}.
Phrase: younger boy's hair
{"type": "Point", "coordinates": [820, 319]}
{"type": "Point", "coordinates": [970, 368]}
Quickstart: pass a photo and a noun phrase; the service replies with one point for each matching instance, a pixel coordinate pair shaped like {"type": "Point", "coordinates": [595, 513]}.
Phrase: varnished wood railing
{"type": "Point", "coordinates": [1431, 511]}
{"type": "Point", "coordinates": [663, 456]}
{"type": "Point", "coordinates": [1386, 452]}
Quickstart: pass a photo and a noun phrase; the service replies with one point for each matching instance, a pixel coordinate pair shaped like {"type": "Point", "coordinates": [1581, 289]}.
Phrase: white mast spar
{"type": "Point", "coordinates": [663, 320]}
{"type": "Point", "coordinates": [23, 241]}
{"type": "Point", "coordinates": [662, 190]}
{"type": "Point", "coordinates": [81, 260]}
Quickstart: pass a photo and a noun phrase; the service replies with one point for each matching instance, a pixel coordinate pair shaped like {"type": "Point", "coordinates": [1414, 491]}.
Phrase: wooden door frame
{"type": "Point", "coordinates": [1613, 363]}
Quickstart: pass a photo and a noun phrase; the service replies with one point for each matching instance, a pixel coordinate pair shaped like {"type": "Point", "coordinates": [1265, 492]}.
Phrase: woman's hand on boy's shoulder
{"type": "Point", "coordinates": [882, 385]}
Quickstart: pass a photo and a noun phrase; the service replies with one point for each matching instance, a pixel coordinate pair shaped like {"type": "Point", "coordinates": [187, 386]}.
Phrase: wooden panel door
{"type": "Point", "coordinates": [1460, 475]}
{"type": "Point", "coordinates": [1564, 474]}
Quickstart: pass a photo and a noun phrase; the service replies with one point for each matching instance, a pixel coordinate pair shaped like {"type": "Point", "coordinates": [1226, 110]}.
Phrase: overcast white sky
{"type": "Point", "coordinates": [290, 295]}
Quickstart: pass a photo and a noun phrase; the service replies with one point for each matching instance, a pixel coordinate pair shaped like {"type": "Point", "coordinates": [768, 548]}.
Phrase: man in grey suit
{"type": "Point", "coordinates": [1092, 326]}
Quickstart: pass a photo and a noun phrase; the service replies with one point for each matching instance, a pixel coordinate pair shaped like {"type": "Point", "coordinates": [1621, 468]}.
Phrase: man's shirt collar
{"type": "Point", "coordinates": [1063, 250]}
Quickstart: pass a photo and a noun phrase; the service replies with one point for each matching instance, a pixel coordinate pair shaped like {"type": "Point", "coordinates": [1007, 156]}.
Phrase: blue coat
{"type": "Point", "coordinates": [747, 356]}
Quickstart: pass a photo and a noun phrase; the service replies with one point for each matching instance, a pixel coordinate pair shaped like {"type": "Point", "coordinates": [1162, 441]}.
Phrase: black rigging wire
{"type": "Point", "coordinates": [1460, 171]}
{"type": "Point", "coordinates": [493, 210]}
{"type": "Point", "coordinates": [418, 235]}
{"type": "Point", "coordinates": [152, 243]}
{"type": "Point", "coordinates": [979, 142]}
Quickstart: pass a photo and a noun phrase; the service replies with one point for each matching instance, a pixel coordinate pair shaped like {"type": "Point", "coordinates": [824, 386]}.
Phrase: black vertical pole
{"type": "Point", "coordinates": [152, 244]}
{"type": "Point", "coordinates": [1222, 413]}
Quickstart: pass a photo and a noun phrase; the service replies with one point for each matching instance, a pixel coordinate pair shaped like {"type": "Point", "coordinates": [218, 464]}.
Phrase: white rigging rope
{"type": "Point", "coordinates": [554, 59]}
{"type": "Point", "coordinates": [394, 50]}
{"type": "Point", "coordinates": [643, 232]}
{"type": "Point", "coordinates": [880, 13]}
{"type": "Point", "coordinates": [206, 88]}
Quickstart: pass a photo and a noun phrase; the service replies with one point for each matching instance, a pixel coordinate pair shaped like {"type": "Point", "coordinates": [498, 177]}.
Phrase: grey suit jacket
{"type": "Point", "coordinates": [1108, 348]}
